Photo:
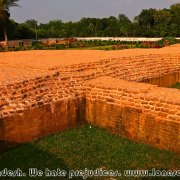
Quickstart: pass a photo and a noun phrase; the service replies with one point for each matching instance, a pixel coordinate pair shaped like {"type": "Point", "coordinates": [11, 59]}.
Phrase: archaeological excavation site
{"type": "Point", "coordinates": [125, 91]}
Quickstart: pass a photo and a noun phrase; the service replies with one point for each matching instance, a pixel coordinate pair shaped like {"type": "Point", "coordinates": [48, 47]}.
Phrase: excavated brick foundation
{"type": "Point", "coordinates": [135, 111]}
{"type": "Point", "coordinates": [164, 80]}
{"type": "Point", "coordinates": [120, 94]}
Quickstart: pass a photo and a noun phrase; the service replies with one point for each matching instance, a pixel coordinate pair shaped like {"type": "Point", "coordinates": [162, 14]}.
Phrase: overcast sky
{"type": "Point", "coordinates": [66, 10]}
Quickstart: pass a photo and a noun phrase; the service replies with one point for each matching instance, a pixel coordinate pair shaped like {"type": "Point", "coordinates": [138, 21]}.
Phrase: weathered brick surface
{"type": "Point", "coordinates": [136, 111]}
{"type": "Point", "coordinates": [40, 97]}
{"type": "Point", "coordinates": [32, 123]}
{"type": "Point", "coordinates": [134, 64]}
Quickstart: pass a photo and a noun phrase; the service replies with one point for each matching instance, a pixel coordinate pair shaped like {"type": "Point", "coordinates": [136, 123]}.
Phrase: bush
{"type": "Point", "coordinates": [38, 46]}
{"type": "Point", "coordinates": [138, 45]}
{"type": "Point", "coordinates": [73, 45]}
{"type": "Point", "coordinates": [58, 46]}
{"type": "Point", "coordinates": [16, 49]}
{"type": "Point", "coordinates": [2, 49]}
{"type": "Point", "coordinates": [167, 41]}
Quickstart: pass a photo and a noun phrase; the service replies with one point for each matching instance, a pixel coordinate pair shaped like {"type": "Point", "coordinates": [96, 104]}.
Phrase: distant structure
{"type": "Point", "coordinates": [51, 41]}
{"type": "Point", "coordinates": [17, 43]}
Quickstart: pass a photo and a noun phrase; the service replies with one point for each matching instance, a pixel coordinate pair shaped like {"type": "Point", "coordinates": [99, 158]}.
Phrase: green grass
{"type": "Point", "coordinates": [107, 47]}
{"type": "Point", "coordinates": [87, 148]}
{"type": "Point", "coordinates": [177, 86]}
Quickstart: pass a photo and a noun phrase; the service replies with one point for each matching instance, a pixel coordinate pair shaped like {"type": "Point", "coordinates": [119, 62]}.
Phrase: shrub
{"type": "Point", "coordinates": [73, 45]}
{"type": "Point", "coordinates": [167, 41]}
{"type": "Point", "coordinates": [58, 46]}
{"type": "Point", "coordinates": [2, 49]}
{"type": "Point", "coordinates": [38, 45]}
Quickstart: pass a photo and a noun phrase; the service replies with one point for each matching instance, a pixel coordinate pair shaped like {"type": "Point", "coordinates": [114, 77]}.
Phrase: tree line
{"type": "Point", "coordinates": [149, 23]}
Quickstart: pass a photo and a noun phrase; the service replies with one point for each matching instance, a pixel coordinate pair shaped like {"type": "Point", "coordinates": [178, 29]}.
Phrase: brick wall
{"type": "Point", "coordinates": [108, 93]}
{"type": "Point", "coordinates": [136, 111]}
{"type": "Point", "coordinates": [45, 119]}
{"type": "Point", "coordinates": [164, 80]}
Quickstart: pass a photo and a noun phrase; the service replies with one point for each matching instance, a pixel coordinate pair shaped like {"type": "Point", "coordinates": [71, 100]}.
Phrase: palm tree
{"type": "Point", "coordinates": [5, 14]}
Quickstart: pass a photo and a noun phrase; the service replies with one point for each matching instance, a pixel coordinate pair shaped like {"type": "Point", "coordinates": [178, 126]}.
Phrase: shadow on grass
{"type": "Point", "coordinates": [7, 145]}
{"type": "Point", "coordinates": [27, 156]}
{"type": "Point", "coordinates": [87, 147]}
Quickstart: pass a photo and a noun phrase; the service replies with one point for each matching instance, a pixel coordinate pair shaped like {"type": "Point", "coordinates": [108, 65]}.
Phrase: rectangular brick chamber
{"type": "Point", "coordinates": [125, 95]}
{"type": "Point", "coordinates": [41, 120]}
{"type": "Point", "coordinates": [136, 111]}
{"type": "Point", "coordinates": [164, 80]}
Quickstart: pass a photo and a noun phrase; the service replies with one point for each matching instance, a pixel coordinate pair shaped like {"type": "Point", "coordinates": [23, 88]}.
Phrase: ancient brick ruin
{"type": "Point", "coordinates": [124, 93]}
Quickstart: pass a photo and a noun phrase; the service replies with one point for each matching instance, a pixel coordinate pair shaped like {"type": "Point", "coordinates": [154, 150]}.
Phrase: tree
{"type": "Point", "coordinates": [32, 24]}
{"type": "Point", "coordinates": [1, 31]}
{"type": "Point", "coordinates": [111, 25]}
{"type": "Point", "coordinates": [162, 22]}
{"type": "Point", "coordinates": [124, 24]}
{"type": "Point", "coordinates": [5, 14]}
{"type": "Point", "coordinates": [146, 21]}
{"type": "Point", "coordinates": [175, 19]}
{"type": "Point", "coordinates": [23, 32]}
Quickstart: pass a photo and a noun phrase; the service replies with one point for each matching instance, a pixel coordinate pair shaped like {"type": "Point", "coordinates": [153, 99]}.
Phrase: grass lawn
{"type": "Point", "coordinates": [105, 47]}
{"type": "Point", "coordinates": [89, 148]}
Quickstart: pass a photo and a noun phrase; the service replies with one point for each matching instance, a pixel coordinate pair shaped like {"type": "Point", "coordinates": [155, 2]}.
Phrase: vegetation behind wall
{"type": "Point", "coordinates": [149, 23]}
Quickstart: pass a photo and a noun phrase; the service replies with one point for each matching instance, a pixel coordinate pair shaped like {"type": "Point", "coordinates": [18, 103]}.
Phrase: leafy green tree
{"type": "Point", "coordinates": [69, 29]}
{"type": "Point", "coordinates": [124, 25]}
{"type": "Point", "coordinates": [24, 32]}
{"type": "Point", "coordinates": [175, 19]}
{"type": "Point", "coordinates": [92, 28]}
{"type": "Point", "coordinates": [43, 31]}
{"type": "Point", "coordinates": [162, 21]}
{"type": "Point", "coordinates": [55, 28]}
{"type": "Point", "coordinates": [12, 34]}
{"type": "Point", "coordinates": [111, 26]}
{"type": "Point", "coordinates": [1, 31]}
{"type": "Point", "coordinates": [84, 27]}
{"type": "Point", "coordinates": [135, 30]}
{"type": "Point", "coordinates": [146, 21]}
{"type": "Point", "coordinates": [5, 14]}
{"type": "Point", "coordinates": [31, 23]}
{"type": "Point", "coordinates": [149, 23]}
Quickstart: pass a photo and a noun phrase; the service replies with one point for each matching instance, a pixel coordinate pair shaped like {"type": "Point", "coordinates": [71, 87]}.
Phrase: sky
{"type": "Point", "coordinates": [45, 10]}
